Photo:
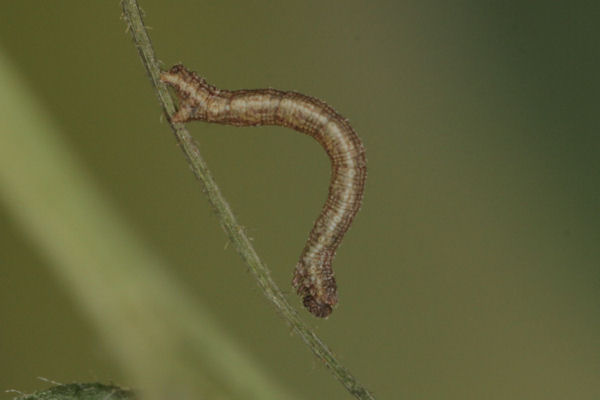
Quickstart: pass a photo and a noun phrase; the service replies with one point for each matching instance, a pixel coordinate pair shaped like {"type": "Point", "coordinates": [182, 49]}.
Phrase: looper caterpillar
{"type": "Point", "coordinates": [198, 100]}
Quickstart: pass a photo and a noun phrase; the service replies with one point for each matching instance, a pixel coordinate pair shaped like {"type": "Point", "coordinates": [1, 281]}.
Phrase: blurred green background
{"type": "Point", "coordinates": [472, 270]}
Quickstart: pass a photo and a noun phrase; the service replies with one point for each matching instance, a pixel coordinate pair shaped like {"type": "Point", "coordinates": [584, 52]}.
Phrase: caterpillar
{"type": "Point", "coordinates": [313, 277]}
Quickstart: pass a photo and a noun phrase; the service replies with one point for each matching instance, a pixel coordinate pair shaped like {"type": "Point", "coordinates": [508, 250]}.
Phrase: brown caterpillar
{"type": "Point", "coordinates": [313, 277]}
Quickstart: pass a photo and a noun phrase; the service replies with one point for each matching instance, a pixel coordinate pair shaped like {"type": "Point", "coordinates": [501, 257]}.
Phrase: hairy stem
{"type": "Point", "coordinates": [233, 229]}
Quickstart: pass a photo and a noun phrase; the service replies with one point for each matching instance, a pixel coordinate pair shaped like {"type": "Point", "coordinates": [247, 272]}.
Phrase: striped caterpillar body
{"type": "Point", "coordinates": [313, 277]}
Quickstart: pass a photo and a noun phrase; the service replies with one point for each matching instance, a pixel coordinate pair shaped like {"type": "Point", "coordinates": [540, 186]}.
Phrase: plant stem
{"type": "Point", "coordinates": [233, 229]}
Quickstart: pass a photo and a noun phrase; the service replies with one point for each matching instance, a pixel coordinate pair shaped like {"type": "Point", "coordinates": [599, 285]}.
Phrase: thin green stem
{"type": "Point", "coordinates": [233, 229]}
